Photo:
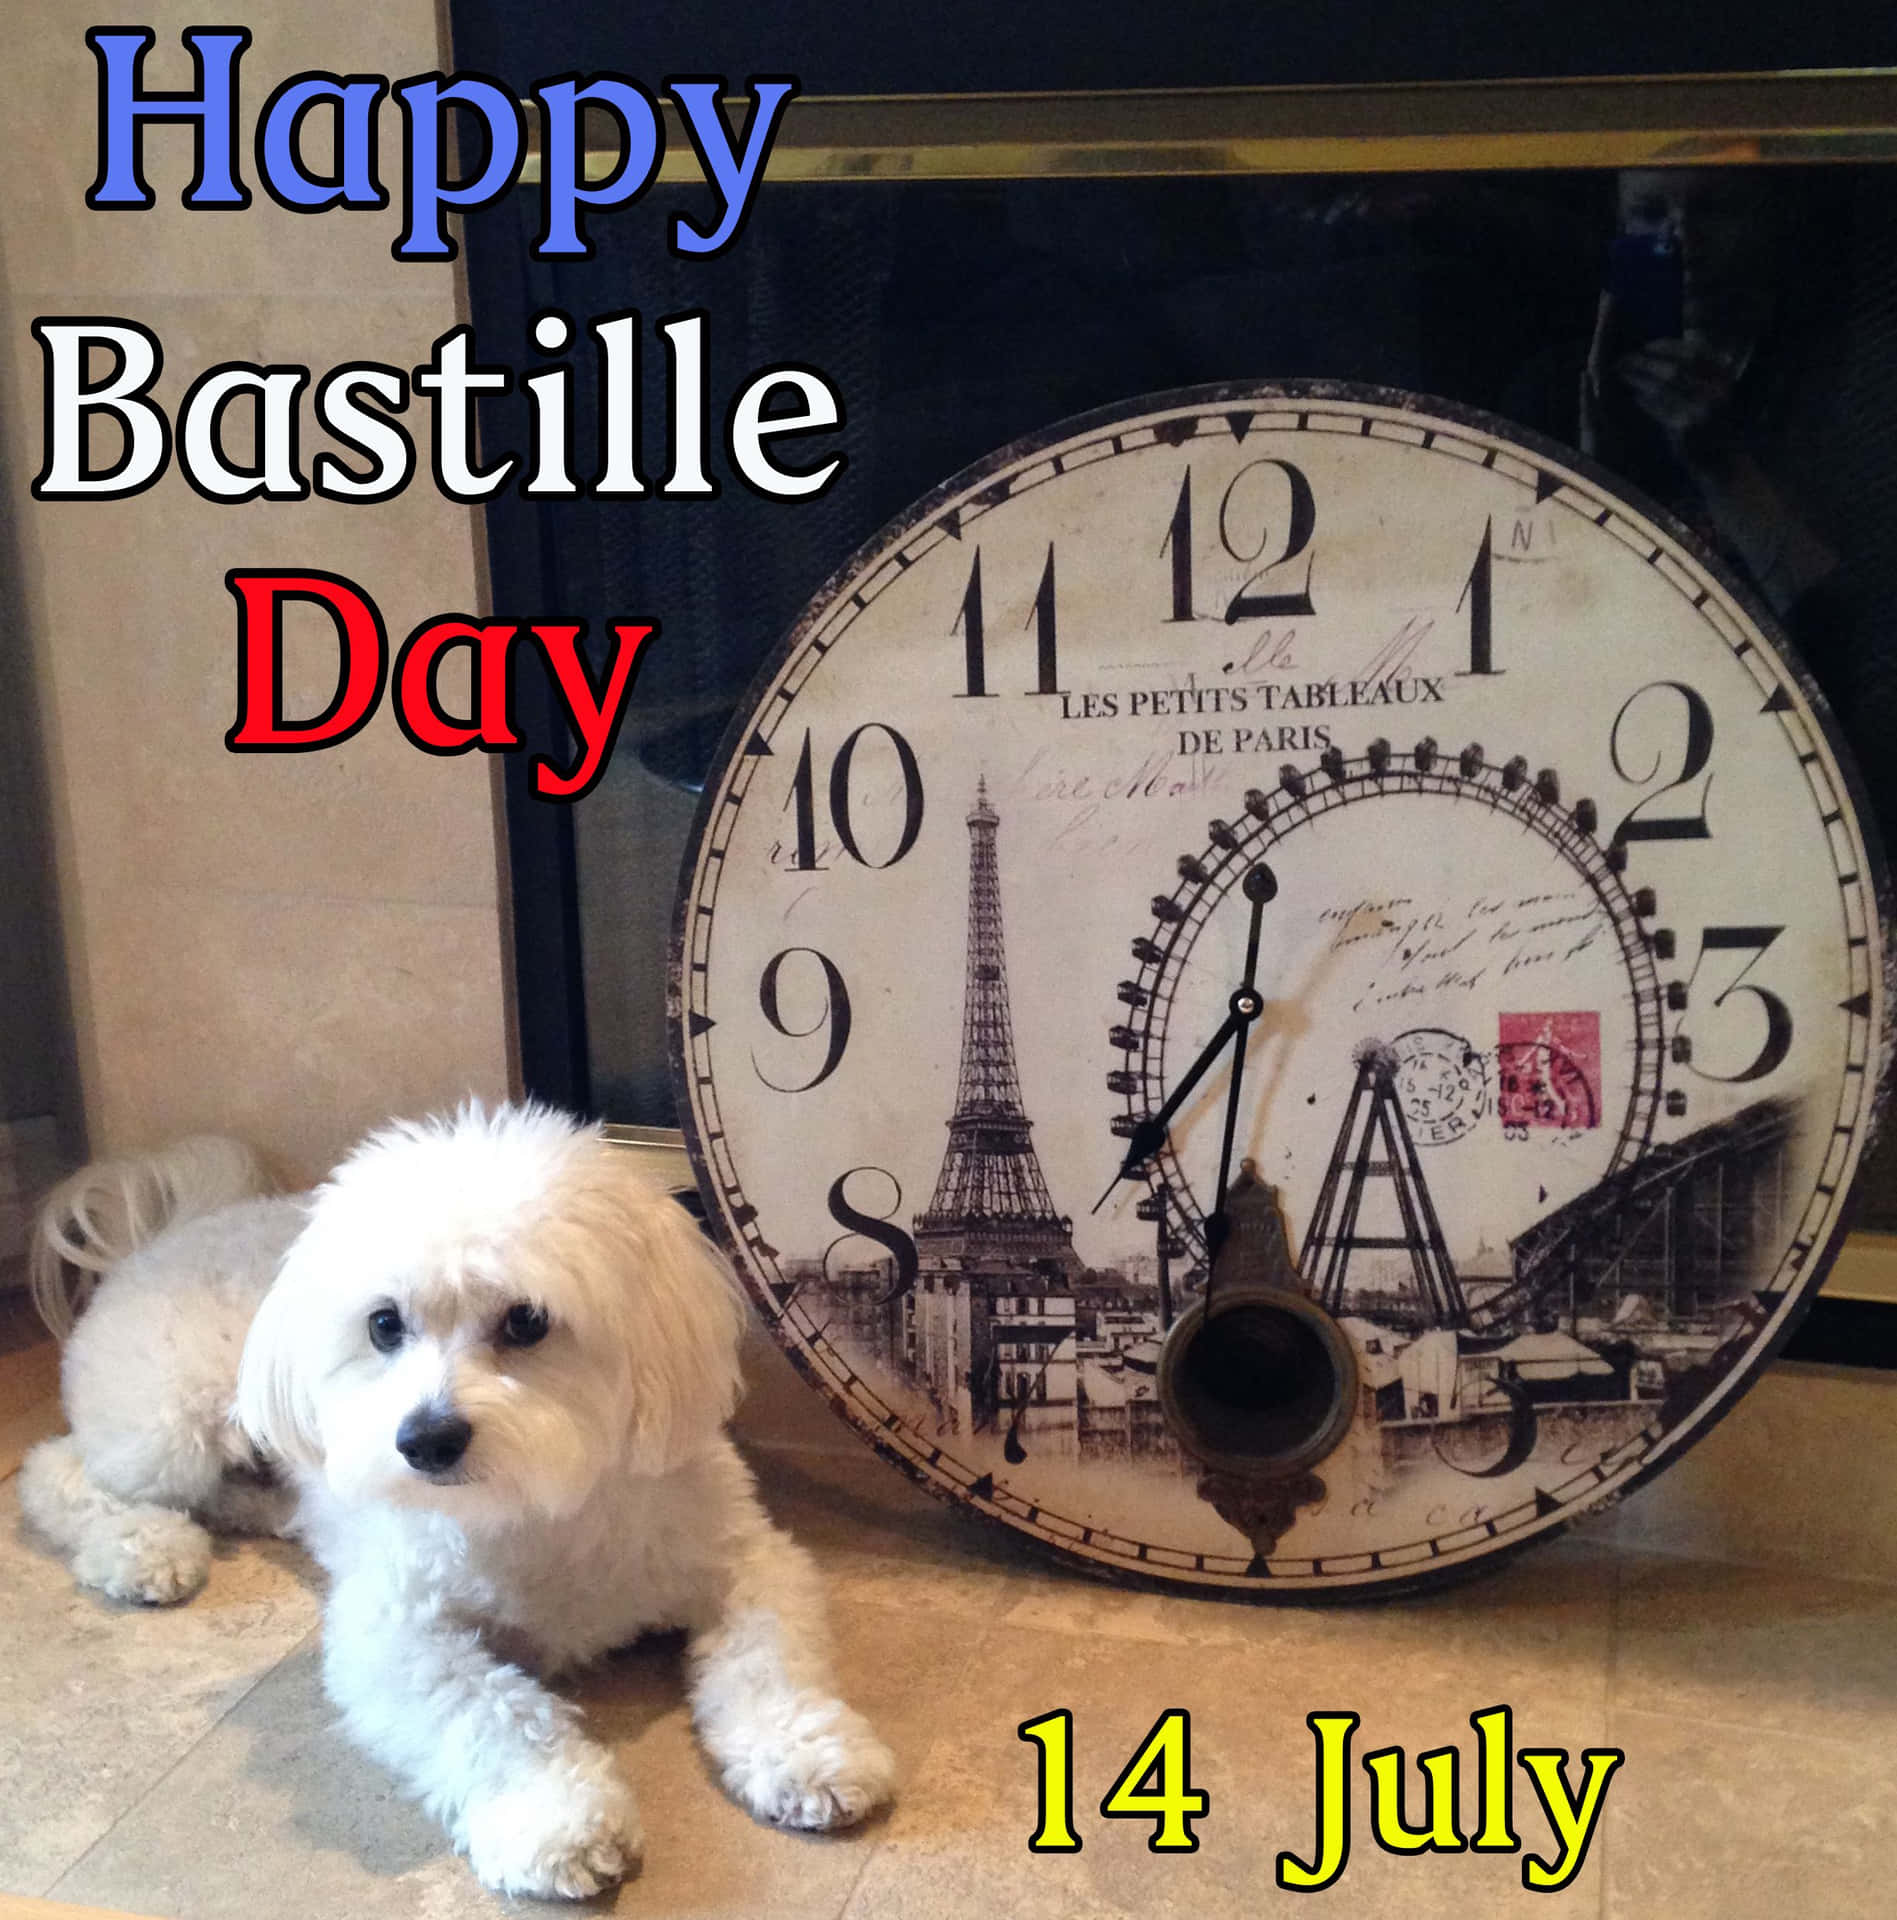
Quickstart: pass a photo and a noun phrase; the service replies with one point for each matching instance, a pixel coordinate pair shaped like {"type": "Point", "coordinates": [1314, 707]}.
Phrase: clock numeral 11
{"type": "Point", "coordinates": [1040, 618]}
{"type": "Point", "coordinates": [1155, 1784]}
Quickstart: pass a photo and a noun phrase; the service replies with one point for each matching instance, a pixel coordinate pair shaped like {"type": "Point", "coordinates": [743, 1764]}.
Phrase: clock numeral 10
{"type": "Point", "coordinates": [803, 800]}
{"type": "Point", "coordinates": [1040, 618]}
{"type": "Point", "coordinates": [1171, 1802]}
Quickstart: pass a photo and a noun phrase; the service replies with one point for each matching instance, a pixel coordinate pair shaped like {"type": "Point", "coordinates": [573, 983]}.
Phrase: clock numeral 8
{"type": "Point", "coordinates": [877, 1227]}
{"type": "Point", "coordinates": [803, 800]}
{"type": "Point", "coordinates": [835, 1016]}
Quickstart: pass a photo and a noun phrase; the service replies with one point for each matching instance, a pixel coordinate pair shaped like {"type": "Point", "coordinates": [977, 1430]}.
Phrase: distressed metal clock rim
{"type": "Point", "coordinates": [808, 638]}
{"type": "Point", "coordinates": [1361, 774]}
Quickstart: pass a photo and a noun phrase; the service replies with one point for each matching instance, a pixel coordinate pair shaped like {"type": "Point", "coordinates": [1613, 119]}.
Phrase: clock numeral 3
{"type": "Point", "coordinates": [1695, 751]}
{"type": "Point", "coordinates": [1778, 1016]}
{"type": "Point", "coordinates": [835, 1016]}
{"type": "Point", "coordinates": [877, 1227]}
{"type": "Point", "coordinates": [803, 800]}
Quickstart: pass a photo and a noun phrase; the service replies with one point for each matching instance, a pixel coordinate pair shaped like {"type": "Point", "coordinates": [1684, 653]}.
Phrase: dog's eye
{"type": "Point", "coordinates": [523, 1325]}
{"type": "Point", "coordinates": [385, 1329]}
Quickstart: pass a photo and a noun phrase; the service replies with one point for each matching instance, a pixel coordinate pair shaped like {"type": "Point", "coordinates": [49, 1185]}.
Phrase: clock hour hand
{"type": "Point", "coordinates": [1149, 1136]}
{"type": "Point", "coordinates": [1260, 886]}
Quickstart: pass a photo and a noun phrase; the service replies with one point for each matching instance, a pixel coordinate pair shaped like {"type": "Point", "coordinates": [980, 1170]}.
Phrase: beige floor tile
{"type": "Point", "coordinates": [1803, 1472]}
{"type": "Point", "coordinates": [1712, 1822]}
{"type": "Point", "coordinates": [274, 1797]}
{"type": "Point", "coordinates": [102, 1701]}
{"type": "Point", "coordinates": [1758, 1648]}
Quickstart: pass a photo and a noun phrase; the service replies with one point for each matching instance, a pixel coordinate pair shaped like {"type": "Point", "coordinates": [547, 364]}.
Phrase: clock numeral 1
{"type": "Point", "coordinates": [1040, 618]}
{"type": "Point", "coordinates": [804, 804]}
{"type": "Point", "coordinates": [1476, 590]}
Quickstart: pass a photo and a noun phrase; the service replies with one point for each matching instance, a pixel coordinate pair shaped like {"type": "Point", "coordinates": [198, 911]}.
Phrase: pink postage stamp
{"type": "Point", "coordinates": [1549, 1070]}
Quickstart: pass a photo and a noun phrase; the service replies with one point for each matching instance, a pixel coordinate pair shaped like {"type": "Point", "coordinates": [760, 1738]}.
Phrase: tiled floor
{"type": "Point", "coordinates": [182, 1763]}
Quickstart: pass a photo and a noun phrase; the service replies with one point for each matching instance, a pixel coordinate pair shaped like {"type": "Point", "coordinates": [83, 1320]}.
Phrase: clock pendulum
{"type": "Point", "coordinates": [1478, 1125]}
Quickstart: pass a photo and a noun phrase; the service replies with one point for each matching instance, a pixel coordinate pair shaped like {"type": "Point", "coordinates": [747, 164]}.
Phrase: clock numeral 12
{"type": "Point", "coordinates": [1300, 524]}
{"type": "Point", "coordinates": [1163, 1758]}
{"type": "Point", "coordinates": [1040, 618]}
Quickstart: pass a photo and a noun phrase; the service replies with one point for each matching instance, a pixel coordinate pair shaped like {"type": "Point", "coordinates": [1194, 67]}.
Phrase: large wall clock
{"type": "Point", "coordinates": [1465, 825]}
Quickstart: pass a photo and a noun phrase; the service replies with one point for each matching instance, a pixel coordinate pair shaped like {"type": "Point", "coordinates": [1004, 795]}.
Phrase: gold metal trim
{"type": "Point", "coordinates": [1503, 125]}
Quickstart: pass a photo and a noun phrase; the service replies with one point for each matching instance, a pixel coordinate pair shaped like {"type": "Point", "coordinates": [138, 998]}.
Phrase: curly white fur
{"type": "Point", "coordinates": [598, 1495]}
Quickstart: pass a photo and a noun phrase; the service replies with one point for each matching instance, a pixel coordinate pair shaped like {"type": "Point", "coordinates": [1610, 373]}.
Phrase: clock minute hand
{"type": "Point", "coordinates": [1260, 887]}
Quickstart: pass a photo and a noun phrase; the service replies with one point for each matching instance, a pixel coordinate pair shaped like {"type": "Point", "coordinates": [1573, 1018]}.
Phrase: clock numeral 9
{"type": "Point", "coordinates": [1246, 502]}
{"type": "Point", "coordinates": [877, 1227]}
{"type": "Point", "coordinates": [835, 1017]}
{"type": "Point", "coordinates": [803, 800]}
{"type": "Point", "coordinates": [1695, 750]}
{"type": "Point", "coordinates": [1040, 618]}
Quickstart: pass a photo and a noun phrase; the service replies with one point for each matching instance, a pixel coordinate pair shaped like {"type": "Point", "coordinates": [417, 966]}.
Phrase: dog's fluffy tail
{"type": "Point", "coordinates": [91, 1221]}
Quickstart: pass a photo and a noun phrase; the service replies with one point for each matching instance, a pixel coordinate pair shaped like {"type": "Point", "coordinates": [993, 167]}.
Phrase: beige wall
{"type": "Point", "coordinates": [285, 946]}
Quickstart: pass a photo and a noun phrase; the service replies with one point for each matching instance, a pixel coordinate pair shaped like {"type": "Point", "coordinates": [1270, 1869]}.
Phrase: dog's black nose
{"type": "Point", "coordinates": [431, 1441]}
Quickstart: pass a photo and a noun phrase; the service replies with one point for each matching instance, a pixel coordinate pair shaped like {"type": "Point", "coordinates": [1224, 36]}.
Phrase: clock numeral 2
{"type": "Point", "coordinates": [804, 801]}
{"type": "Point", "coordinates": [1695, 751]}
{"type": "Point", "coordinates": [835, 1016]}
{"type": "Point", "coordinates": [1040, 618]}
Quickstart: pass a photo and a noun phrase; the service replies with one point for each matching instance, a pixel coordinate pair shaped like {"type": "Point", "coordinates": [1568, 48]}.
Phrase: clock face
{"type": "Point", "coordinates": [1572, 1005]}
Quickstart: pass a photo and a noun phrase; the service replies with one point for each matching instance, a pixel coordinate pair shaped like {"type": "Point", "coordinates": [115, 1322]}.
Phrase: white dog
{"type": "Point", "coordinates": [496, 1365]}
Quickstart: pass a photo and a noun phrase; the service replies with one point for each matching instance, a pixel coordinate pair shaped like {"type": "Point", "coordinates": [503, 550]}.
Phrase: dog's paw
{"type": "Point", "coordinates": [158, 1560]}
{"type": "Point", "coordinates": [559, 1838]}
{"type": "Point", "coordinates": [818, 1767]}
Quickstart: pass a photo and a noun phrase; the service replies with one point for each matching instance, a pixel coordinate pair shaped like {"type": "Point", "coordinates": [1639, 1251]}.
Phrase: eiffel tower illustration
{"type": "Point", "coordinates": [1374, 1143]}
{"type": "Point", "coordinates": [992, 1314]}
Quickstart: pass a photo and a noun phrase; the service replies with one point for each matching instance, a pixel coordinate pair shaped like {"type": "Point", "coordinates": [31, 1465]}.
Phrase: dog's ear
{"type": "Point", "coordinates": [274, 1406]}
{"type": "Point", "coordinates": [684, 1312]}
